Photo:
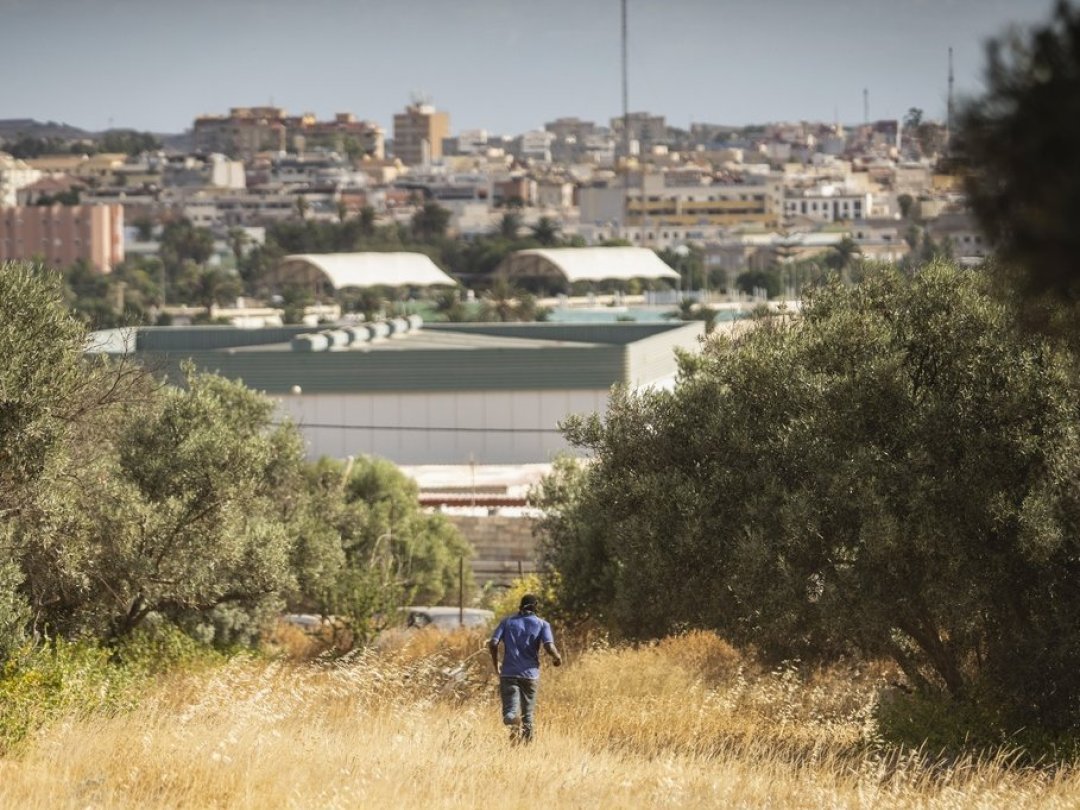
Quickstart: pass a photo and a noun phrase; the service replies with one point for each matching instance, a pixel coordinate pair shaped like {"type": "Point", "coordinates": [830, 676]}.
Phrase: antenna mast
{"type": "Point", "coordinates": [625, 88]}
{"type": "Point", "coordinates": [866, 105]}
{"type": "Point", "coordinates": [949, 109]}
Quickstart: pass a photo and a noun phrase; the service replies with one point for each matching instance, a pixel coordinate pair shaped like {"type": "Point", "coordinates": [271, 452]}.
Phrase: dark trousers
{"type": "Point", "coordinates": [519, 705]}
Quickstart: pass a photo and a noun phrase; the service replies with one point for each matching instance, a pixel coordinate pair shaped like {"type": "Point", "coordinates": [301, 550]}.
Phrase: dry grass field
{"type": "Point", "coordinates": [684, 723]}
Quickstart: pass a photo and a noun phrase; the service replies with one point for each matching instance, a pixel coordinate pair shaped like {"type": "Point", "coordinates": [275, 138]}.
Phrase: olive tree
{"type": "Point", "coordinates": [40, 376]}
{"type": "Point", "coordinates": [55, 401]}
{"type": "Point", "coordinates": [896, 471]}
{"type": "Point", "coordinates": [364, 547]}
{"type": "Point", "coordinates": [179, 519]}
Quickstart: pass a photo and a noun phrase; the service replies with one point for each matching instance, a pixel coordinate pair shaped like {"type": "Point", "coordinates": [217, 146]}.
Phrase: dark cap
{"type": "Point", "coordinates": [528, 603]}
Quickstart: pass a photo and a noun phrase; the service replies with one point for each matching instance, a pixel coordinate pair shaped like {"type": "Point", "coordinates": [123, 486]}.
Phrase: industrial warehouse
{"type": "Point", "coordinates": [416, 393]}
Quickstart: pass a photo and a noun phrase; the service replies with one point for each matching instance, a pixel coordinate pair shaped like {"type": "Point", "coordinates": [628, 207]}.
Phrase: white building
{"type": "Point", "coordinates": [827, 203]}
{"type": "Point", "coordinates": [536, 145]}
{"type": "Point", "coordinates": [14, 175]}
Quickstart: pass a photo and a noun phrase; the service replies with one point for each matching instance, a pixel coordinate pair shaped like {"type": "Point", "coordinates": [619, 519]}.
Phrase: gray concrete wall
{"type": "Point", "coordinates": [504, 546]}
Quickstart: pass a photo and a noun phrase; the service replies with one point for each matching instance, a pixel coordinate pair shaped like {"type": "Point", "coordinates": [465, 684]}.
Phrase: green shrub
{"type": "Point", "coordinates": [940, 725]}
{"type": "Point", "coordinates": [508, 602]}
{"type": "Point", "coordinates": [41, 684]}
{"type": "Point", "coordinates": [65, 679]}
{"type": "Point", "coordinates": [161, 648]}
{"type": "Point", "coordinates": [13, 609]}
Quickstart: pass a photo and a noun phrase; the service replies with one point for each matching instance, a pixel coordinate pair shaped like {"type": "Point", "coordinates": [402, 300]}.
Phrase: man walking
{"type": "Point", "coordinates": [522, 636]}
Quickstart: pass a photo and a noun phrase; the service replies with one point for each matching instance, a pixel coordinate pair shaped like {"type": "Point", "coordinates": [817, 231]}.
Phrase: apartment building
{"type": "Point", "coordinates": [219, 209]}
{"type": "Point", "coordinates": [570, 128]}
{"type": "Point", "coordinates": [419, 134]}
{"type": "Point", "coordinates": [827, 204]}
{"type": "Point", "coordinates": [99, 169]}
{"type": "Point", "coordinates": [60, 235]}
{"type": "Point", "coordinates": [646, 129]}
{"type": "Point", "coordinates": [344, 134]}
{"type": "Point", "coordinates": [534, 145]}
{"type": "Point", "coordinates": [467, 142]}
{"type": "Point", "coordinates": [243, 133]}
{"type": "Point", "coordinates": [651, 202]}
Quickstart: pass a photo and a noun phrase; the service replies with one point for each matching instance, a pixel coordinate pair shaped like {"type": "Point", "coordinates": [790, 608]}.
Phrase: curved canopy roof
{"type": "Point", "coordinates": [588, 264]}
{"type": "Point", "coordinates": [363, 270]}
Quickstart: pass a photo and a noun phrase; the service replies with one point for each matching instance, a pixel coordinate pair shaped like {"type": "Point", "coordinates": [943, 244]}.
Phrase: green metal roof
{"type": "Point", "coordinates": [613, 333]}
{"type": "Point", "coordinates": [439, 357]}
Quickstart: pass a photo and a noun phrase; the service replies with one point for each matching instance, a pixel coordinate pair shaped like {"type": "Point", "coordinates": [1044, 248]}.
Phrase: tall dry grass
{"type": "Point", "coordinates": [684, 723]}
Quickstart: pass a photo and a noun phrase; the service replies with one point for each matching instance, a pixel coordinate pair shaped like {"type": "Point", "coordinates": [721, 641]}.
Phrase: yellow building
{"type": "Point", "coordinates": [419, 133]}
{"type": "Point", "coordinates": [654, 203]}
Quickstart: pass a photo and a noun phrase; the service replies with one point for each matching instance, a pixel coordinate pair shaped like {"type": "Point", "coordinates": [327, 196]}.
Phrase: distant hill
{"type": "Point", "coordinates": [11, 129]}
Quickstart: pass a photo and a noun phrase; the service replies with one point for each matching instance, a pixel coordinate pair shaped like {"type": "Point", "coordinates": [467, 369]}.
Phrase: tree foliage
{"type": "Point", "coordinates": [430, 222]}
{"type": "Point", "coordinates": [894, 473]}
{"type": "Point", "coordinates": [364, 546]}
{"type": "Point", "coordinates": [1019, 147]}
{"type": "Point", "coordinates": [41, 383]}
{"type": "Point", "coordinates": [128, 141]}
{"type": "Point", "coordinates": [125, 501]}
{"type": "Point", "coordinates": [173, 516]}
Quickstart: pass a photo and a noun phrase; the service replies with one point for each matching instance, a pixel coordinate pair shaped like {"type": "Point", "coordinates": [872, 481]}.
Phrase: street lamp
{"type": "Point", "coordinates": [682, 251]}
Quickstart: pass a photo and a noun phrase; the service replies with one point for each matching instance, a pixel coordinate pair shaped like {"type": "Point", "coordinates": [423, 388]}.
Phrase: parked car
{"type": "Point", "coordinates": [446, 618]}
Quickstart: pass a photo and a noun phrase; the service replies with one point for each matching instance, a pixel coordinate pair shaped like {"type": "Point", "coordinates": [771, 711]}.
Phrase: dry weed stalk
{"type": "Point", "coordinates": [683, 723]}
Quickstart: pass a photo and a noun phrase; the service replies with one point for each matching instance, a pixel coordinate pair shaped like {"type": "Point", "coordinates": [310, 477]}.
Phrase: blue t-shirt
{"type": "Point", "coordinates": [522, 636]}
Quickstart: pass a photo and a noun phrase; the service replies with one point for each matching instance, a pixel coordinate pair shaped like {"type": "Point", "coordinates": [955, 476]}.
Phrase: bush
{"type": "Point", "coordinates": [509, 601]}
{"type": "Point", "coordinates": [14, 611]}
{"type": "Point", "coordinates": [40, 684]}
{"type": "Point", "coordinates": [65, 679]}
{"type": "Point", "coordinates": [944, 727]}
{"type": "Point", "coordinates": [891, 473]}
{"type": "Point", "coordinates": [705, 653]}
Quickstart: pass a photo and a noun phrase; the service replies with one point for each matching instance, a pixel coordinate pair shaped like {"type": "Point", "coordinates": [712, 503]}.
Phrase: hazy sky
{"type": "Point", "coordinates": [502, 65]}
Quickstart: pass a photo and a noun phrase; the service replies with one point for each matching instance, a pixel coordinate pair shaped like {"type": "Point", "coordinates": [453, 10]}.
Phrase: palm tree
{"type": "Point", "coordinates": [843, 254]}
{"type": "Point", "coordinates": [367, 220]}
{"type": "Point", "coordinates": [509, 225]}
{"type": "Point", "coordinates": [546, 231]}
{"type": "Point", "coordinates": [430, 222]}
{"type": "Point", "coordinates": [213, 286]}
{"type": "Point", "coordinates": [500, 302]}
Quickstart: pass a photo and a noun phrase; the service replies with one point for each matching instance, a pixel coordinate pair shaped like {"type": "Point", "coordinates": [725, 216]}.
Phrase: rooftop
{"type": "Point", "coordinates": [437, 357]}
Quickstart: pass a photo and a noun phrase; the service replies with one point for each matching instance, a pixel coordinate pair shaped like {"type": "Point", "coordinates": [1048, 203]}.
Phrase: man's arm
{"type": "Point", "coordinates": [548, 638]}
{"type": "Point", "coordinates": [556, 659]}
{"type": "Point", "coordinates": [493, 645]}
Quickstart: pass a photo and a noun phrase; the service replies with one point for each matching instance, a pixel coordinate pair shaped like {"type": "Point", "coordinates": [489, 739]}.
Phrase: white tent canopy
{"type": "Point", "coordinates": [588, 264]}
{"type": "Point", "coordinates": [362, 270]}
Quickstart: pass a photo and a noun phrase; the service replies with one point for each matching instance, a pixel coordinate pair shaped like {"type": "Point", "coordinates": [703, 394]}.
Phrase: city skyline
{"type": "Point", "coordinates": [502, 66]}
